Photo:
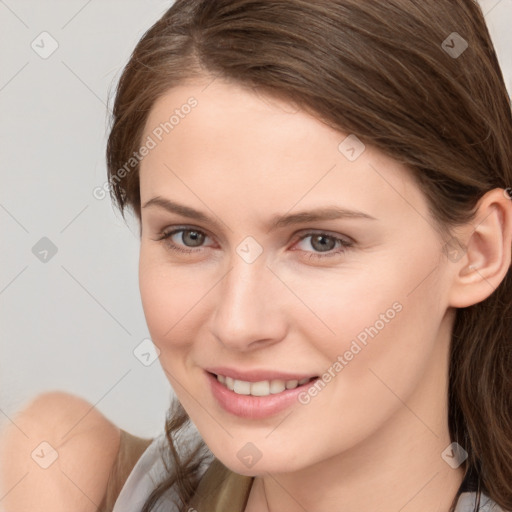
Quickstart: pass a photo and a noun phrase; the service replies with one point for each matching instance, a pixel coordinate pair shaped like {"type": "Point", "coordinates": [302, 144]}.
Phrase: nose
{"type": "Point", "coordinates": [250, 311]}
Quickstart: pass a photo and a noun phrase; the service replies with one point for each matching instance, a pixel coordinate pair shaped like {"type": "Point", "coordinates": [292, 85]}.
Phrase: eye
{"type": "Point", "coordinates": [190, 240]}
{"type": "Point", "coordinates": [323, 244]}
{"type": "Point", "coordinates": [187, 239]}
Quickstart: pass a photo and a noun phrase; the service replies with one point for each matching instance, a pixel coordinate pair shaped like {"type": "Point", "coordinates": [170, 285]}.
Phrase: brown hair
{"type": "Point", "coordinates": [382, 71]}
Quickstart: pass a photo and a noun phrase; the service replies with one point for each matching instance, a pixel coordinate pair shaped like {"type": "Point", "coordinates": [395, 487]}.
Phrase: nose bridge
{"type": "Point", "coordinates": [247, 310]}
{"type": "Point", "coordinates": [241, 301]}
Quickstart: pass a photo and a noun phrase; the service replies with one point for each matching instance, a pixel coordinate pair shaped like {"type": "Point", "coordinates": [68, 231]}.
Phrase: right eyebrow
{"type": "Point", "coordinates": [276, 222]}
{"type": "Point", "coordinates": [180, 209]}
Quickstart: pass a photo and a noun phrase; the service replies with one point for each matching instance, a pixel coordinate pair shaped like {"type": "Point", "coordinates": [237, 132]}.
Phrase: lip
{"type": "Point", "coordinates": [257, 375]}
{"type": "Point", "coordinates": [254, 407]}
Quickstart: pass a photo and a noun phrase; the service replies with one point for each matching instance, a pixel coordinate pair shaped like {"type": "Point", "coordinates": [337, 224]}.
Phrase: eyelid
{"type": "Point", "coordinates": [342, 245]}
{"type": "Point", "coordinates": [343, 242]}
{"type": "Point", "coordinates": [304, 233]}
{"type": "Point", "coordinates": [310, 232]}
{"type": "Point", "coordinates": [171, 230]}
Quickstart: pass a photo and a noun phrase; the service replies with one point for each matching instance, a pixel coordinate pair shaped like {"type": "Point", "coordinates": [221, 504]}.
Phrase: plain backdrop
{"type": "Point", "coordinates": [70, 312]}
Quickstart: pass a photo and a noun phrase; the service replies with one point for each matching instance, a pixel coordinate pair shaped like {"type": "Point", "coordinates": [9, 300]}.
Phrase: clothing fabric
{"type": "Point", "coordinates": [221, 490]}
{"type": "Point", "coordinates": [151, 469]}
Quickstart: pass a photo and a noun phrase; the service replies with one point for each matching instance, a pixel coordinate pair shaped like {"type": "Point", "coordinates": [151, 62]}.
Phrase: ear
{"type": "Point", "coordinates": [486, 257]}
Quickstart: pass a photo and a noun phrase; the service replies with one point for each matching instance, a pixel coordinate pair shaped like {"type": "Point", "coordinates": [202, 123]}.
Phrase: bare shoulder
{"type": "Point", "coordinates": [56, 454]}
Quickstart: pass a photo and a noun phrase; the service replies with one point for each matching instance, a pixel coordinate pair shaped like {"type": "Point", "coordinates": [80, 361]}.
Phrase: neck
{"type": "Point", "coordinates": [399, 467]}
{"type": "Point", "coordinates": [401, 476]}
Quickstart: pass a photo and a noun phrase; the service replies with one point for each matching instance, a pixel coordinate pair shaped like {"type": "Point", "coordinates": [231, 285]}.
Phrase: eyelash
{"type": "Point", "coordinates": [343, 244]}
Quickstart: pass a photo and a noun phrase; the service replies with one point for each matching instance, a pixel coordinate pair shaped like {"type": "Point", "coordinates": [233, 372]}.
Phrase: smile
{"type": "Point", "coordinates": [261, 388]}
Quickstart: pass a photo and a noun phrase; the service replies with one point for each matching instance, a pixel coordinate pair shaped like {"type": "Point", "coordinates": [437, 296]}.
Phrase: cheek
{"type": "Point", "coordinates": [168, 298]}
{"type": "Point", "coordinates": [383, 345]}
{"type": "Point", "coordinates": [379, 316]}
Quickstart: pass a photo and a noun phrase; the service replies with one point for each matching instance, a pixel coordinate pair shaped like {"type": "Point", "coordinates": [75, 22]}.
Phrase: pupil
{"type": "Point", "coordinates": [321, 240]}
{"type": "Point", "coordinates": [195, 237]}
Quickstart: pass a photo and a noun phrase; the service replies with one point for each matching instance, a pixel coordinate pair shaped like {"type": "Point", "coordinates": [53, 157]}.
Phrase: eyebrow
{"type": "Point", "coordinates": [276, 222]}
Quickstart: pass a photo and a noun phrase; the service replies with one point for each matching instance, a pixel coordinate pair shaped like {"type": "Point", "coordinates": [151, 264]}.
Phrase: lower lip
{"type": "Point", "coordinates": [254, 407]}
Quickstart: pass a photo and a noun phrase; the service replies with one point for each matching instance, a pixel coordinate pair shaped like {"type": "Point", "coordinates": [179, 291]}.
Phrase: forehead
{"type": "Point", "coordinates": [224, 140]}
{"type": "Point", "coordinates": [227, 110]}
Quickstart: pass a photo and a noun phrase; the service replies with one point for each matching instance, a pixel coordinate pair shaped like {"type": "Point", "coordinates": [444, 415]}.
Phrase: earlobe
{"type": "Point", "coordinates": [487, 257]}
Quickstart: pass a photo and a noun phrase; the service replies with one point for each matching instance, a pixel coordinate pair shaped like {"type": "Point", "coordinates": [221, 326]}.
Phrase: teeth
{"type": "Point", "coordinates": [230, 383]}
{"type": "Point", "coordinates": [262, 388]}
{"type": "Point", "coordinates": [277, 386]}
{"type": "Point", "coordinates": [242, 388]}
{"type": "Point", "coordinates": [292, 384]}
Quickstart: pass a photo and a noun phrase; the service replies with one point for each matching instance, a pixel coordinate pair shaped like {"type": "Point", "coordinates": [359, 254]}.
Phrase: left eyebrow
{"type": "Point", "coordinates": [276, 222]}
{"type": "Point", "coordinates": [318, 214]}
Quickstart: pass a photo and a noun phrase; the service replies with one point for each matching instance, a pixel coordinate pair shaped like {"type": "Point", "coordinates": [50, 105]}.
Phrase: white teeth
{"type": "Point", "coordinates": [277, 386]}
{"type": "Point", "coordinates": [262, 388]}
{"type": "Point", "coordinates": [292, 384]}
{"type": "Point", "coordinates": [230, 383]}
{"type": "Point", "coordinates": [242, 388]}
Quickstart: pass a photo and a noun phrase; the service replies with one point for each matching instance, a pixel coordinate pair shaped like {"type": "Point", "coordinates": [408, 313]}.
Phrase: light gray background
{"type": "Point", "coordinates": [72, 323]}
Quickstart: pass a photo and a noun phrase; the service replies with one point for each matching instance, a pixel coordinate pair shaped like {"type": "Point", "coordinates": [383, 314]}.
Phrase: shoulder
{"type": "Point", "coordinates": [57, 454]}
{"type": "Point", "coordinates": [469, 502]}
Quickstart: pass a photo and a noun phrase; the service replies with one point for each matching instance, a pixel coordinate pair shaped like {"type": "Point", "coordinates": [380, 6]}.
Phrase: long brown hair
{"type": "Point", "coordinates": [417, 79]}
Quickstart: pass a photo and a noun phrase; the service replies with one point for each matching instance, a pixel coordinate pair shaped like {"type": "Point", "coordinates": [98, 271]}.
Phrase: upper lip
{"type": "Point", "coordinates": [257, 375]}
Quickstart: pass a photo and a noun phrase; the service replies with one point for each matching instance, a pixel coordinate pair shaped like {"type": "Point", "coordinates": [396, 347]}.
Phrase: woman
{"type": "Point", "coordinates": [326, 229]}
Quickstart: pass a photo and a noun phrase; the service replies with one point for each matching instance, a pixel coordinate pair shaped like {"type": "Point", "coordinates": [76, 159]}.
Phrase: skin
{"type": "Point", "coordinates": [241, 158]}
{"type": "Point", "coordinates": [73, 473]}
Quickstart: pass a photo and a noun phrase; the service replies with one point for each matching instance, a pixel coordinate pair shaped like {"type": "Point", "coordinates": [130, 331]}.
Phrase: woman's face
{"type": "Point", "coordinates": [301, 253]}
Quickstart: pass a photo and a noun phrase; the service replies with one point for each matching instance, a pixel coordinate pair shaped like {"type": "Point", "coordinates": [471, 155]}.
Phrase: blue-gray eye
{"type": "Point", "coordinates": [192, 238]}
{"type": "Point", "coordinates": [323, 243]}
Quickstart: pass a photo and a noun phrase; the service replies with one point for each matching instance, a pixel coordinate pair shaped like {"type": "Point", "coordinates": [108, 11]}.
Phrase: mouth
{"type": "Point", "coordinates": [261, 388]}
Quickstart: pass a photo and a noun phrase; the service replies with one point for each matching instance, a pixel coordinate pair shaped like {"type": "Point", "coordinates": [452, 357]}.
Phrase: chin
{"type": "Point", "coordinates": [260, 468]}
